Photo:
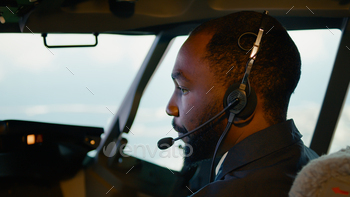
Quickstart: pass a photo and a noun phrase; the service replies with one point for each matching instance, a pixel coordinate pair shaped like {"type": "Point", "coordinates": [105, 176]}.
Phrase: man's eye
{"type": "Point", "coordinates": [184, 91]}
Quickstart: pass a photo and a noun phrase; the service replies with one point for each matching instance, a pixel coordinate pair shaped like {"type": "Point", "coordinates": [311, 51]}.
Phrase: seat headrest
{"type": "Point", "coordinates": [326, 176]}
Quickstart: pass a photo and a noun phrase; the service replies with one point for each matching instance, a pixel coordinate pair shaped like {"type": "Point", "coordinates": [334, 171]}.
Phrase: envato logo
{"type": "Point", "coordinates": [146, 151]}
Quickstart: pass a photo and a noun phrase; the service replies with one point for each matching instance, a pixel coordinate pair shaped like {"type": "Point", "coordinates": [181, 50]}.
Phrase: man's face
{"type": "Point", "coordinates": [197, 97]}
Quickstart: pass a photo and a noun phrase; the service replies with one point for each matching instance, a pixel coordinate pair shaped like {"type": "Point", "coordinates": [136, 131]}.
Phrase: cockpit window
{"type": "Point", "coordinates": [151, 122]}
{"type": "Point", "coordinates": [85, 86]}
{"type": "Point", "coordinates": [318, 49]}
{"type": "Point", "coordinates": [342, 133]}
{"type": "Point", "coordinates": [79, 86]}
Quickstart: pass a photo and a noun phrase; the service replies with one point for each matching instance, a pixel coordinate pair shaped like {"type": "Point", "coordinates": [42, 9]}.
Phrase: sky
{"type": "Point", "coordinates": [85, 86]}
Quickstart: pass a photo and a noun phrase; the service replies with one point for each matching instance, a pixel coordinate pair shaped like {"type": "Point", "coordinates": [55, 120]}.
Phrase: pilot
{"type": "Point", "coordinates": [240, 69]}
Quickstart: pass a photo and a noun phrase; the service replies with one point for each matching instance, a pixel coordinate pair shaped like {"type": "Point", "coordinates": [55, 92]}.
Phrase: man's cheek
{"type": "Point", "coordinates": [193, 118]}
{"type": "Point", "coordinates": [188, 106]}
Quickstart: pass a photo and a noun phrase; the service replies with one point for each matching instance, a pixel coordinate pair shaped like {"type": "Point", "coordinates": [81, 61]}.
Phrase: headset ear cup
{"type": "Point", "coordinates": [250, 106]}
{"type": "Point", "coordinates": [246, 106]}
{"type": "Point", "coordinates": [231, 89]}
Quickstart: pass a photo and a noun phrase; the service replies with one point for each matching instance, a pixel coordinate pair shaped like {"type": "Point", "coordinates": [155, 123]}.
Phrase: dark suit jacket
{"type": "Point", "coordinates": [263, 164]}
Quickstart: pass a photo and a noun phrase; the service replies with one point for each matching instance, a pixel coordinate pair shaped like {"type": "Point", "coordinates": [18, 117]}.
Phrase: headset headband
{"type": "Point", "coordinates": [254, 52]}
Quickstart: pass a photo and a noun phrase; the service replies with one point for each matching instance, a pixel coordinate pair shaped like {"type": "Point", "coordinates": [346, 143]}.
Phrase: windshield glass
{"type": "Point", "coordinates": [85, 86]}
{"type": "Point", "coordinates": [80, 86]}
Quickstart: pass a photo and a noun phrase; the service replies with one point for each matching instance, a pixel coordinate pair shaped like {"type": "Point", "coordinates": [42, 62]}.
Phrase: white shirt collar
{"type": "Point", "coordinates": [220, 163]}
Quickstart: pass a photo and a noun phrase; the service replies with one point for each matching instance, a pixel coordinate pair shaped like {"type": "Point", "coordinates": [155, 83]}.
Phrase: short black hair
{"type": "Point", "coordinates": [276, 70]}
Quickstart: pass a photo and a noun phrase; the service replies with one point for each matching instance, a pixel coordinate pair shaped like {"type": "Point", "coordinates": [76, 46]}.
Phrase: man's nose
{"type": "Point", "coordinates": [172, 109]}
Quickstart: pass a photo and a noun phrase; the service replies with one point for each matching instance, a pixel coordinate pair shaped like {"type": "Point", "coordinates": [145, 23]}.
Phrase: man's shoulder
{"type": "Point", "coordinates": [247, 187]}
{"type": "Point", "coordinates": [267, 168]}
{"type": "Point", "coordinates": [282, 164]}
{"type": "Point", "coordinates": [309, 153]}
{"type": "Point", "coordinates": [271, 175]}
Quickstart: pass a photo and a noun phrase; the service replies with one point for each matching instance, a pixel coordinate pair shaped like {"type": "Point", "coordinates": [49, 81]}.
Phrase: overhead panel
{"type": "Point", "coordinates": [87, 16]}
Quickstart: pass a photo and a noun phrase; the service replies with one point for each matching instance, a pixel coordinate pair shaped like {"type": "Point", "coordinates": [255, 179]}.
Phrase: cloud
{"type": "Point", "coordinates": [314, 42]}
{"type": "Point", "coordinates": [142, 130]}
{"type": "Point", "coordinates": [2, 73]}
{"type": "Point", "coordinates": [341, 137]}
{"type": "Point", "coordinates": [305, 117]}
{"type": "Point", "coordinates": [66, 108]}
{"type": "Point", "coordinates": [147, 114]}
{"type": "Point", "coordinates": [26, 52]}
{"type": "Point", "coordinates": [37, 110]}
{"type": "Point", "coordinates": [120, 50]}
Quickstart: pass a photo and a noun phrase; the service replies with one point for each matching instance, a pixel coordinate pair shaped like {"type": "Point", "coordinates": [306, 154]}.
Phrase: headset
{"type": "Point", "coordinates": [240, 99]}
{"type": "Point", "coordinates": [241, 95]}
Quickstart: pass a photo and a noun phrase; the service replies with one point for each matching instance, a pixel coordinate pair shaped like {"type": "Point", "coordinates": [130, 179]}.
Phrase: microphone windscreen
{"type": "Point", "coordinates": [165, 143]}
